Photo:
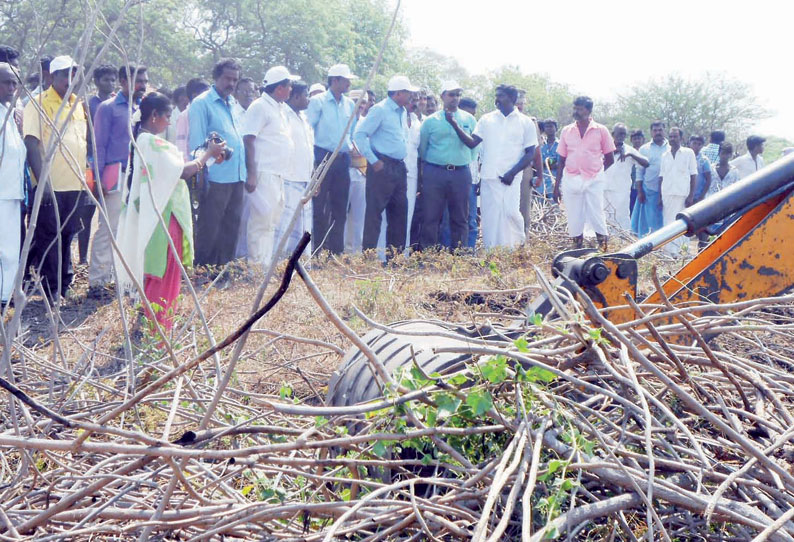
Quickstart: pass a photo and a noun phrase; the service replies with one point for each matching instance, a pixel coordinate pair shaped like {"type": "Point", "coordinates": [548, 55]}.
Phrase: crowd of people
{"type": "Point", "coordinates": [410, 171]}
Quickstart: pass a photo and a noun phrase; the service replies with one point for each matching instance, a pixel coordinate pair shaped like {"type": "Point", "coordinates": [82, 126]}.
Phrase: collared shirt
{"type": "Point", "coordinates": [504, 141]}
{"type": "Point", "coordinates": [266, 119]}
{"type": "Point", "coordinates": [439, 144]}
{"type": "Point", "coordinates": [650, 175]}
{"type": "Point", "coordinates": [384, 130]}
{"type": "Point", "coordinates": [328, 118]}
{"type": "Point", "coordinates": [584, 155]}
{"type": "Point", "coordinates": [746, 165]}
{"type": "Point", "coordinates": [704, 165]}
{"type": "Point", "coordinates": [210, 113]}
{"type": "Point", "coordinates": [619, 173]}
{"type": "Point", "coordinates": [548, 152]}
{"type": "Point", "coordinates": [69, 162]}
{"type": "Point", "coordinates": [301, 160]}
{"type": "Point", "coordinates": [182, 133]}
{"type": "Point", "coordinates": [112, 132]}
{"type": "Point", "coordinates": [676, 171]}
{"type": "Point", "coordinates": [721, 183]}
{"type": "Point", "coordinates": [711, 152]}
{"type": "Point", "coordinates": [12, 158]}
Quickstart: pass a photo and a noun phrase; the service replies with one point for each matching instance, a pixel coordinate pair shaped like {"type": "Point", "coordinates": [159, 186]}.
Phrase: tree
{"type": "Point", "coordinates": [545, 98]}
{"type": "Point", "coordinates": [699, 105]}
{"type": "Point", "coordinates": [773, 148]}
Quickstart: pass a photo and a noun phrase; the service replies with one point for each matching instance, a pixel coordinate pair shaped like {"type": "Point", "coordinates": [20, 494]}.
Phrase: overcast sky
{"type": "Point", "coordinates": [600, 51]}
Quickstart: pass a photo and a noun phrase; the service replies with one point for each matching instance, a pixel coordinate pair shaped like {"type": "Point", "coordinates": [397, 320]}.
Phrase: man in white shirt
{"type": "Point", "coordinates": [677, 177]}
{"type": "Point", "coordinates": [617, 193]}
{"type": "Point", "coordinates": [751, 161]}
{"type": "Point", "coordinates": [12, 176]}
{"type": "Point", "coordinates": [268, 148]}
{"type": "Point", "coordinates": [509, 139]}
{"type": "Point", "coordinates": [299, 173]}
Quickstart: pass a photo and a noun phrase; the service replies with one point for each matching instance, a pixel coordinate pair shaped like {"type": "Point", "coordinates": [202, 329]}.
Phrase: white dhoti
{"type": "Point", "coordinates": [293, 193]}
{"type": "Point", "coordinates": [616, 208]}
{"type": "Point", "coordinates": [583, 200]}
{"type": "Point", "coordinates": [672, 205]}
{"type": "Point", "coordinates": [356, 208]}
{"type": "Point", "coordinates": [501, 220]}
{"type": "Point", "coordinates": [10, 242]}
{"type": "Point", "coordinates": [242, 234]}
{"type": "Point", "coordinates": [100, 269]}
{"type": "Point", "coordinates": [266, 206]}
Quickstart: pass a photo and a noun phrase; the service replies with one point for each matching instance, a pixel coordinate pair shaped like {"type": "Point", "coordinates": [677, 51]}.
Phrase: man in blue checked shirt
{"type": "Point", "coordinates": [328, 114]}
{"type": "Point", "coordinates": [382, 138]}
{"type": "Point", "coordinates": [222, 198]}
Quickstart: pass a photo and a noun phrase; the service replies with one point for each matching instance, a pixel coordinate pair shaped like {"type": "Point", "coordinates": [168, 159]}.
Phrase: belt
{"type": "Point", "coordinates": [387, 158]}
{"type": "Point", "coordinates": [330, 152]}
{"type": "Point", "coordinates": [448, 167]}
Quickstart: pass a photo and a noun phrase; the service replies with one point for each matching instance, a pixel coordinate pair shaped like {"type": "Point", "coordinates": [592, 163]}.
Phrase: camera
{"type": "Point", "coordinates": [215, 137]}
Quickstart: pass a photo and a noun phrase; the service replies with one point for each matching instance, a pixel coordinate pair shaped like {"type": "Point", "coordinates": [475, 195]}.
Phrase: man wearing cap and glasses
{"type": "Point", "coordinates": [328, 114]}
{"type": "Point", "coordinates": [446, 177]}
{"type": "Point", "coordinates": [49, 254]}
{"type": "Point", "coordinates": [382, 137]}
{"type": "Point", "coordinates": [268, 148]}
{"type": "Point", "coordinates": [222, 199]}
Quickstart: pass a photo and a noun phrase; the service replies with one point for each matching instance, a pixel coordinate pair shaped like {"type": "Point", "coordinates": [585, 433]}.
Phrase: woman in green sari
{"type": "Point", "coordinates": [157, 195]}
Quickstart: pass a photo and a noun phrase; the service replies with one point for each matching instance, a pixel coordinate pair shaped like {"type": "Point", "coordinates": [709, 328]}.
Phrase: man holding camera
{"type": "Point", "coordinates": [222, 196]}
{"type": "Point", "coordinates": [268, 147]}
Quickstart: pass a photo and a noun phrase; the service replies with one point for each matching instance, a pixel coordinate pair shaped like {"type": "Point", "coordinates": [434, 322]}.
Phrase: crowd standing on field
{"type": "Point", "coordinates": [217, 169]}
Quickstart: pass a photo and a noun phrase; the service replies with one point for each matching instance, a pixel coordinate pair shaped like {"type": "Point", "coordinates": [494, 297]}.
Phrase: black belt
{"type": "Point", "coordinates": [386, 158]}
{"type": "Point", "coordinates": [448, 167]}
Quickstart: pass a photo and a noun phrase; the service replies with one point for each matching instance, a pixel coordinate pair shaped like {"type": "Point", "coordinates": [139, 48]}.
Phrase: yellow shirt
{"type": "Point", "coordinates": [69, 162]}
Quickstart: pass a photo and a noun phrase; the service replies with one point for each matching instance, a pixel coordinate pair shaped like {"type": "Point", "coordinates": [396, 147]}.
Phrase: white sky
{"type": "Point", "coordinates": [619, 43]}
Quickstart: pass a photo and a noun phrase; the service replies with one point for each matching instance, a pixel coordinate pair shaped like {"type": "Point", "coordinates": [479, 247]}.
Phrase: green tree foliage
{"type": "Point", "coordinates": [773, 148]}
{"type": "Point", "coordinates": [713, 101]}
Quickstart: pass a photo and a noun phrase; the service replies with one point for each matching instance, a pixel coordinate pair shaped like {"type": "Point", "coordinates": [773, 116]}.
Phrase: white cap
{"type": "Point", "coordinates": [276, 74]}
{"type": "Point", "coordinates": [450, 85]}
{"type": "Point", "coordinates": [316, 87]}
{"type": "Point", "coordinates": [401, 82]}
{"type": "Point", "coordinates": [341, 70]}
{"type": "Point", "coordinates": [59, 63]}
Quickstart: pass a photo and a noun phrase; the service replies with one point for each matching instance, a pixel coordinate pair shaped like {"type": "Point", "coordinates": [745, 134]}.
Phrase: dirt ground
{"type": "Point", "coordinates": [461, 288]}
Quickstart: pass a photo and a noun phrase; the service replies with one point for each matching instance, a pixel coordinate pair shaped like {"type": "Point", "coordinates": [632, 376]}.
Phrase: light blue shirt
{"type": "Point", "coordinates": [209, 112]}
{"type": "Point", "coordinates": [650, 175]}
{"type": "Point", "coordinates": [384, 130]}
{"type": "Point", "coordinates": [439, 144]}
{"type": "Point", "coordinates": [328, 118]}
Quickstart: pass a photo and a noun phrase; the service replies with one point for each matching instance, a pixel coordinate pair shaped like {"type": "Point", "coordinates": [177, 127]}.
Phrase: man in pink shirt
{"type": "Point", "coordinates": [585, 151]}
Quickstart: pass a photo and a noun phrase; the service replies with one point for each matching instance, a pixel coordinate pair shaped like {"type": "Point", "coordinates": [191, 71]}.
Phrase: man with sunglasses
{"type": "Point", "coordinates": [446, 177]}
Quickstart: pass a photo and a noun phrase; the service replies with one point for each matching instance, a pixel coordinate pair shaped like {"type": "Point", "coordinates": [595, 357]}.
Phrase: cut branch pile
{"type": "Point", "coordinates": [577, 428]}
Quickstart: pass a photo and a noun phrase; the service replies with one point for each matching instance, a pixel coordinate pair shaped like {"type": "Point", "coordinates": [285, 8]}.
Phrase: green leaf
{"type": "Point", "coordinates": [447, 402]}
{"type": "Point", "coordinates": [427, 459]}
{"type": "Point", "coordinates": [380, 448]}
{"type": "Point", "coordinates": [320, 421]}
{"type": "Point", "coordinates": [495, 370]}
{"type": "Point", "coordinates": [539, 374]}
{"type": "Point", "coordinates": [247, 489]}
{"type": "Point", "coordinates": [522, 344]}
{"type": "Point", "coordinates": [285, 391]}
{"type": "Point", "coordinates": [458, 380]}
{"type": "Point", "coordinates": [536, 319]}
{"type": "Point", "coordinates": [480, 402]}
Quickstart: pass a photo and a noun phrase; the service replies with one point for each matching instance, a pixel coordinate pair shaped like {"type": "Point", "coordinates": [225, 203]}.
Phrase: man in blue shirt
{"type": "Point", "coordinates": [222, 196]}
{"type": "Point", "coordinates": [382, 138]}
{"type": "Point", "coordinates": [328, 114]}
{"type": "Point", "coordinates": [647, 215]}
{"type": "Point", "coordinates": [112, 133]}
{"type": "Point", "coordinates": [548, 153]}
{"type": "Point", "coordinates": [446, 177]}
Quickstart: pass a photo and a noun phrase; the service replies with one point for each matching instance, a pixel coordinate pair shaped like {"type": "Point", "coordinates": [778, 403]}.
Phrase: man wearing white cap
{"type": "Point", "coordinates": [315, 89]}
{"type": "Point", "coordinates": [66, 175]}
{"type": "Point", "coordinates": [12, 182]}
{"type": "Point", "coordinates": [268, 149]}
{"type": "Point", "coordinates": [382, 138]}
{"type": "Point", "coordinates": [328, 114]}
{"type": "Point", "coordinates": [446, 177]}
